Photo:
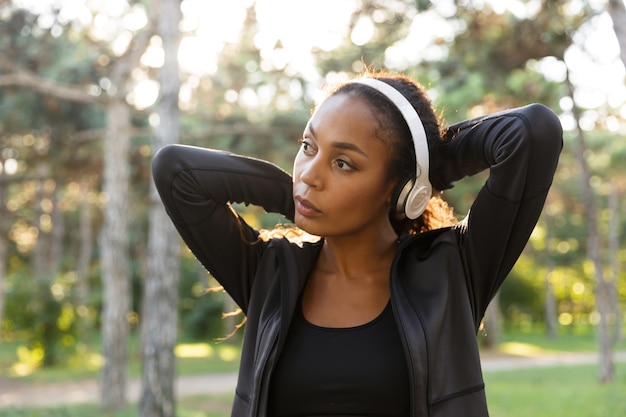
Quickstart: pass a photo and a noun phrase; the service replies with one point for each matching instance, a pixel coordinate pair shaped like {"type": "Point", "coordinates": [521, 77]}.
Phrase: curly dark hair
{"type": "Point", "coordinates": [392, 129]}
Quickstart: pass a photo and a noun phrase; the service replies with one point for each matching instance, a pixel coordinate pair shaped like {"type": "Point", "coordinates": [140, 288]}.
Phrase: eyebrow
{"type": "Point", "coordinates": [342, 145]}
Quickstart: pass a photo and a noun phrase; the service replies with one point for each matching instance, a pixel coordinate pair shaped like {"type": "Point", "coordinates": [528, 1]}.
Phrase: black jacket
{"type": "Point", "coordinates": [441, 281]}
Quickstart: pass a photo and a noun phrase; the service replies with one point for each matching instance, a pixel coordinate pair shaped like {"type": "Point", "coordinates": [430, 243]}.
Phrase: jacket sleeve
{"type": "Point", "coordinates": [196, 186]}
{"type": "Point", "coordinates": [520, 147]}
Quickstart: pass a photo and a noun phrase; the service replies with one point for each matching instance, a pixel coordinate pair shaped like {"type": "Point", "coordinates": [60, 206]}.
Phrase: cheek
{"type": "Point", "coordinates": [297, 167]}
{"type": "Point", "coordinates": [368, 195]}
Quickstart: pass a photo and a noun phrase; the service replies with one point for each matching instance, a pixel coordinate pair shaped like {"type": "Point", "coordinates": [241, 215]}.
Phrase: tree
{"type": "Point", "coordinates": [4, 229]}
{"type": "Point", "coordinates": [487, 69]}
{"type": "Point", "coordinates": [603, 291]}
{"type": "Point", "coordinates": [602, 246]}
{"type": "Point", "coordinates": [617, 11]}
{"type": "Point", "coordinates": [160, 299]}
{"type": "Point", "coordinates": [114, 236]}
{"type": "Point", "coordinates": [35, 138]}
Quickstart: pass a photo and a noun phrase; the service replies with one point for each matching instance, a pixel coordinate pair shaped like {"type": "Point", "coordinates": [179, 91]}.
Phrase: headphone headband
{"type": "Point", "coordinates": [415, 194]}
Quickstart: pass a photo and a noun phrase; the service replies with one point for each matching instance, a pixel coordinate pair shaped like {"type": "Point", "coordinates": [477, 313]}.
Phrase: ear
{"type": "Point", "coordinates": [399, 196]}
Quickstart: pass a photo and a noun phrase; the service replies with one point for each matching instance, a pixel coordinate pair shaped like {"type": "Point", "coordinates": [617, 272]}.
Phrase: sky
{"type": "Point", "coordinates": [594, 65]}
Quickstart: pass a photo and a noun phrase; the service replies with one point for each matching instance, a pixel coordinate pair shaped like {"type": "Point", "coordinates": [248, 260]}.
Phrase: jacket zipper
{"type": "Point", "coordinates": [261, 388]}
{"type": "Point", "coordinates": [395, 294]}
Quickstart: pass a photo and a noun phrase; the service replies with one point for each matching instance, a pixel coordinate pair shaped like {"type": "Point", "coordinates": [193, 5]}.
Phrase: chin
{"type": "Point", "coordinates": [307, 226]}
{"type": "Point", "coordinates": [303, 234]}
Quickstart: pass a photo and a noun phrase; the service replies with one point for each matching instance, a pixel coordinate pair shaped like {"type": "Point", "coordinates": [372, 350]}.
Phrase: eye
{"type": "Point", "coordinates": [306, 146]}
{"type": "Point", "coordinates": [343, 165]}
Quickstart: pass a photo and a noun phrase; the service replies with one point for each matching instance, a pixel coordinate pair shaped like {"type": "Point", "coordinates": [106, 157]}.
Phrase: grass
{"type": "Point", "coordinates": [524, 343]}
{"type": "Point", "coordinates": [556, 391]}
{"type": "Point", "coordinates": [584, 341]}
{"type": "Point", "coordinates": [203, 406]}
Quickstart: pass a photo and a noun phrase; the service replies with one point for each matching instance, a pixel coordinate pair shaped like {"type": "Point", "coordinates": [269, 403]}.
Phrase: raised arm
{"type": "Point", "coordinates": [196, 185]}
{"type": "Point", "coordinates": [520, 148]}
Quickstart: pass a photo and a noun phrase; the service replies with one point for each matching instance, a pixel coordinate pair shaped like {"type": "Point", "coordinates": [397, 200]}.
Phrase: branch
{"type": "Point", "coordinates": [6, 179]}
{"type": "Point", "coordinates": [124, 65]}
{"type": "Point", "coordinates": [21, 77]}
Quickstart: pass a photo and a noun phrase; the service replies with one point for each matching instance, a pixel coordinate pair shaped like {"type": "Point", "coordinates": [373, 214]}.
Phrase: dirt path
{"type": "Point", "coordinates": [16, 394]}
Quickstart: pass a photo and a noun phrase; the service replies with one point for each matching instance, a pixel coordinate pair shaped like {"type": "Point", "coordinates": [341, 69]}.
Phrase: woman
{"type": "Point", "coordinates": [379, 316]}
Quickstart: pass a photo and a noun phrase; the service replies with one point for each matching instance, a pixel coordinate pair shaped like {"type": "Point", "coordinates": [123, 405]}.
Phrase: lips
{"type": "Point", "coordinates": [305, 208]}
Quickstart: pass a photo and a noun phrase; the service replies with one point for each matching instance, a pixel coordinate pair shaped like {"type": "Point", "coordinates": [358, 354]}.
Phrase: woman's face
{"type": "Point", "coordinates": [340, 187]}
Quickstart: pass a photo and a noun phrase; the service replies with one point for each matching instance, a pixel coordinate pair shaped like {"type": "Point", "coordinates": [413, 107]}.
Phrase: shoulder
{"type": "Point", "coordinates": [422, 244]}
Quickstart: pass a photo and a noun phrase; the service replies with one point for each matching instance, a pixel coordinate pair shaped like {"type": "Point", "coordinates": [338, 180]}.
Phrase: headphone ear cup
{"type": "Point", "coordinates": [417, 200]}
{"type": "Point", "coordinates": [400, 196]}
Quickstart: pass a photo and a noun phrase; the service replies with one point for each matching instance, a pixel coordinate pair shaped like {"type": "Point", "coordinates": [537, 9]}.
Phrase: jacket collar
{"type": "Point", "coordinates": [296, 261]}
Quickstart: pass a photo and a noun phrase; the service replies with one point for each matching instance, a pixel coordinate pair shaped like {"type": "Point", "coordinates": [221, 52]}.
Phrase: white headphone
{"type": "Point", "coordinates": [415, 193]}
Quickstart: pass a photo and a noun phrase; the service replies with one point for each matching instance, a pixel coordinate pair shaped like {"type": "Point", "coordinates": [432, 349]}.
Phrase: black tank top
{"type": "Point", "coordinates": [356, 371]}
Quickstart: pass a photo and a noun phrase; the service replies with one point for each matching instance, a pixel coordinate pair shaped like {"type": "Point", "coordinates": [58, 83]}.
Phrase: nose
{"type": "Point", "coordinates": [307, 170]}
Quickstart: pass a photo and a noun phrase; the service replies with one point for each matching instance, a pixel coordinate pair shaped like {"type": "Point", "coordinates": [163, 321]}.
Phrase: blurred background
{"type": "Point", "coordinates": [96, 285]}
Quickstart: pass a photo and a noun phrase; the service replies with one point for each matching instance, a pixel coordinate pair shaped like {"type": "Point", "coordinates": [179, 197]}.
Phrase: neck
{"type": "Point", "coordinates": [359, 257]}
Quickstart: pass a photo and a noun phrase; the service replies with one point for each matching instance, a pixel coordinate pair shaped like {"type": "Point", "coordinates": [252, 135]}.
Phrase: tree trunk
{"type": "Point", "coordinates": [115, 258]}
{"type": "Point", "coordinates": [160, 299]}
{"type": "Point", "coordinates": [602, 291]}
{"type": "Point", "coordinates": [114, 238]}
{"type": "Point", "coordinates": [617, 11]}
{"type": "Point", "coordinates": [605, 339]}
{"type": "Point", "coordinates": [614, 228]}
{"type": "Point", "coordinates": [40, 251]}
{"type": "Point", "coordinates": [85, 253]}
{"type": "Point", "coordinates": [4, 231]}
{"type": "Point", "coordinates": [550, 305]}
{"type": "Point", "coordinates": [56, 236]}
{"type": "Point", "coordinates": [493, 323]}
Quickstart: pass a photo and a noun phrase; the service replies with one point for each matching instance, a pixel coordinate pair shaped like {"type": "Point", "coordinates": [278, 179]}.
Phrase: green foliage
{"type": "Point", "coordinates": [521, 296]}
{"type": "Point", "coordinates": [203, 321]}
{"type": "Point", "coordinates": [200, 308]}
{"type": "Point", "coordinates": [32, 48]}
{"type": "Point", "coordinates": [490, 63]}
{"type": "Point", "coordinates": [21, 365]}
{"type": "Point", "coordinates": [52, 335]}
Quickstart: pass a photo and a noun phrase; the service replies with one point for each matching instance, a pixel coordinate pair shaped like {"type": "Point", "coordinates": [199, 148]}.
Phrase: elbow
{"type": "Point", "coordinates": [164, 163]}
{"type": "Point", "coordinates": [545, 128]}
{"type": "Point", "coordinates": [545, 139]}
{"type": "Point", "coordinates": [531, 145]}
